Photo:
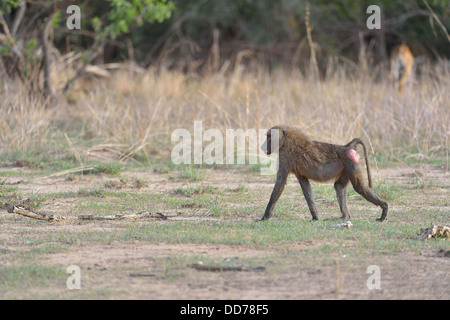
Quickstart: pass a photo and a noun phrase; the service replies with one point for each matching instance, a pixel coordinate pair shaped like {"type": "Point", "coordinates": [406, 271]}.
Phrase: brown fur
{"type": "Point", "coordinates": [319, 161]}
{"type": "Point", "coordinates": [402, 61]}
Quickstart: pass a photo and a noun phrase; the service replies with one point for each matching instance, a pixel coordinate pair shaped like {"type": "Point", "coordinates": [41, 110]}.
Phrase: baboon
{"type": "Point", "coordinates": [318, 161]}
{"type": "Point", "coordinates": [402, 61]}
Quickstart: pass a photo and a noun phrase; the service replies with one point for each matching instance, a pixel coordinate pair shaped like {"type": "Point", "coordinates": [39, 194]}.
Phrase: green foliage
{"type": "Point", "coordinates": [55, 21]}
{"type": "Point", "coordinates": [123, 15]}
{"type": "Point", "coordinates": [109, 19]}
{"type": "Point", "coordinates": [30, 51]}
{"type": "Point", "coordinates": [4, 50]}
{"type": "Point", "coordinates": [268, 23]}
{"type": "Point", "coordinates": [8, 5]}
{"type": "Point", "coordinates": [274, 31]}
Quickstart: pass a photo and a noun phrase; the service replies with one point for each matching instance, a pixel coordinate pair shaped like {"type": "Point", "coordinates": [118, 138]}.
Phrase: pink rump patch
{"type": "Point", "coordinates": [353, 155]}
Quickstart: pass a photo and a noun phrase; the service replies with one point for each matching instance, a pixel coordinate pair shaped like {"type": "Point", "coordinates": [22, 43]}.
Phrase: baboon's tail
{"type": "Point", "coordinates": [353, 144]}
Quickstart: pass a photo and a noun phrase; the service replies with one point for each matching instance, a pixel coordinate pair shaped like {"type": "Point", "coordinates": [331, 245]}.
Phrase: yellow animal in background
{"type": "Point", "coordinates": [402, 61]}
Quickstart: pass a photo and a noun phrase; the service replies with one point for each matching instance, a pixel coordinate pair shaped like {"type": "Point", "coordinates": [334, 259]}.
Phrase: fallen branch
{"type": "Point", "coordinates": [58, 218]}
{"type": "Point", "coordinates": [69, 171]}
{"type": "Point", "coordinates": [217, 268]}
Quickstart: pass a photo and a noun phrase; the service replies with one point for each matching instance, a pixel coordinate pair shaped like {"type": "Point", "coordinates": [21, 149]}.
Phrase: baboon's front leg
{"type": "Point", "coordinates": [307, 192]}
{"type": "Point", "coordinates": [276, 193]}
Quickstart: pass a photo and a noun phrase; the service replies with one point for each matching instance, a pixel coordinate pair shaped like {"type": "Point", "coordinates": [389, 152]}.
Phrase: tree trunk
{"type": "Point", "coordinates": [48, 90]}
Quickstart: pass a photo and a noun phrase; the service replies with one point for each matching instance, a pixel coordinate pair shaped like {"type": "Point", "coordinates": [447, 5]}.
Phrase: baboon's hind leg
{"type": "Point", "coordinates": [356, 178]}
{"type": "Point", "coordinates": [341, 193]}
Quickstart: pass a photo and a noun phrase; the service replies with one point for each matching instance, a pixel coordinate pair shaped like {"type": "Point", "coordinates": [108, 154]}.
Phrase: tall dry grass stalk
{"type": "Point", "coordinates": [135, 113]}
{"type": "Point", "coordinates": [24, 122]}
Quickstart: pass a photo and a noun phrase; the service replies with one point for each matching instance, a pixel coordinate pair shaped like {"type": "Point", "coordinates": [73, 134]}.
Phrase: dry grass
{"type": "Point", "coordinates": [134, 113]}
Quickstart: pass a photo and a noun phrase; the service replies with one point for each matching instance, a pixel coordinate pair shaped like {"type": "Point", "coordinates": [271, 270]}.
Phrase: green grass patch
{"type": "Point", "coordinates": [30, 275]}
{"type": "Point", "coordinates": [190, 173]}
{"type": "Point", "coordinates": [200, 189]}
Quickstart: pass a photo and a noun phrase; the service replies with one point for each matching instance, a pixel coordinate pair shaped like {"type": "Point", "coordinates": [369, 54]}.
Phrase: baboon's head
{"type": "Point", "coordinates": [275, 140]}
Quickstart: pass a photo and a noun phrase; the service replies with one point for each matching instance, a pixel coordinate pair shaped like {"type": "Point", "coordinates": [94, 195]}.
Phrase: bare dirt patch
{"type": "Point", "coordinates": [117, 262]}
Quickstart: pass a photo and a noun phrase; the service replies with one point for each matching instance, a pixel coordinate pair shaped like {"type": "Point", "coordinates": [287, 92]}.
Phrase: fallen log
{"type": "Point", "coordinates": [59, 218]}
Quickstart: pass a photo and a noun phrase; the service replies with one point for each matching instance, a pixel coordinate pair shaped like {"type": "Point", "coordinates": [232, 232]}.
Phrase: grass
{"type": "Point", "coordinates": [200, 189]}
{"type": "Point", "coordinates": [391, 238]}
{"type": "Point", "coordinates": [190, 173]}
{"type": "Point", "coordinates": [237, 204]}
{"type": "Point", "coordinates": [116, 131]}
{"type": "Point", "coordinates": [32, 275]}
{"type": "Point", "coordinates": [367, 242]}
{"type": "Point", "coordinates": [114, 123]}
